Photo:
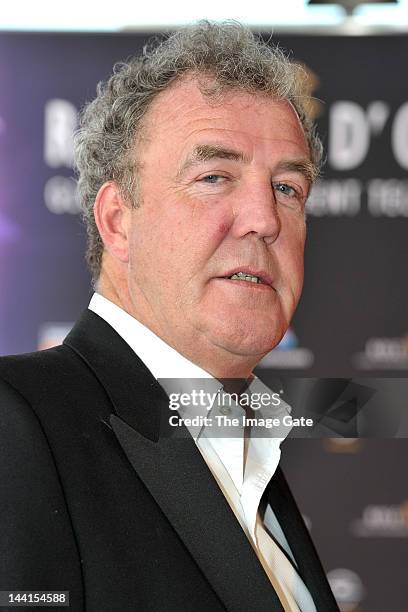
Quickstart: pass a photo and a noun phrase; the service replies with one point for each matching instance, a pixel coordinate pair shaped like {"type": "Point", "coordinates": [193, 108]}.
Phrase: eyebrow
{"type": "Point", "coordinates": [303, 166]}
{"type": "Point", "coordinates": [207, 152]}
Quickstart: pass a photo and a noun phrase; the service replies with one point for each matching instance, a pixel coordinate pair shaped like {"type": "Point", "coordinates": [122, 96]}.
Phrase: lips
{"type": "Point", "coordinates": [262, 275]}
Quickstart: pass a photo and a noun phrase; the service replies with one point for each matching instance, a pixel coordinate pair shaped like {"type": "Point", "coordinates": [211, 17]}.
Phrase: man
{"type": "Point", "coordinates": [195, 162]}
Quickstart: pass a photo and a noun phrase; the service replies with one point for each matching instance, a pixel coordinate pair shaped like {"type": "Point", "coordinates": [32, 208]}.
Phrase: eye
{"type": "Point", "coordinates": [212, 179]}
{"type": "Point", "coordinates": [286, 190]}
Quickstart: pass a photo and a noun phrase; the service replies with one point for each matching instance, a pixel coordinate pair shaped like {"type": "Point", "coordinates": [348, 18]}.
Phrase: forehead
{"type": "Point", "coordinates": [182, 114]}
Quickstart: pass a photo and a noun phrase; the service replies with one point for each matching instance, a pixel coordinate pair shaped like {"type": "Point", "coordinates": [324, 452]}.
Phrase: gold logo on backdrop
{"type": "Point", "coordinates": [314, 106]}
{"type": "Point", "coordinates": [404, 511]}
{"type": "Point", "coordinates": [342, 445]}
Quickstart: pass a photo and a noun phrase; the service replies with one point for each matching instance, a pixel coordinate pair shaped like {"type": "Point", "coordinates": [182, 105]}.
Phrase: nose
{"type": "Point", "coordinates": [256, 212]}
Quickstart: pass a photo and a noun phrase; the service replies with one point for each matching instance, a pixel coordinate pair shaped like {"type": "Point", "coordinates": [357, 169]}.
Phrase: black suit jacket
{"type": "Point", "coordinates": [98, 499]}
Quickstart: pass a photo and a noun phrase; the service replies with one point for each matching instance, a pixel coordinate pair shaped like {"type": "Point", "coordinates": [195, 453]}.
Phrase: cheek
{"type": "Point", "coordinates": [293, 234]}
{"type": "Point", "coordinates": [222, 229]}
{"type": "Point", "coordinates": [297, 270]}
{"type": "Point", "coordinates": [217, 220]}
{"type": "Point", "coordinates": [291, 257]}
{"type": "Point", "coordinates": [203, 232]}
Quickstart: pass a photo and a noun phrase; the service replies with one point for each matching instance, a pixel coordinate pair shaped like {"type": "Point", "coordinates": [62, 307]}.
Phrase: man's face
{"type": "Point", "coordinates": [222, 188]}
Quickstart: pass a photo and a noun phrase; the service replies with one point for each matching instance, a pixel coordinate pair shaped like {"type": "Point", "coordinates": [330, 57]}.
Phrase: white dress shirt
{"type": "Point", "coordinates": [243, 482]}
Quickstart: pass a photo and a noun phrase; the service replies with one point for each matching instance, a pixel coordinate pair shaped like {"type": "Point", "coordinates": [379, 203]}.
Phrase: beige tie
{"type": "Point", "coordinates": [278, 568]}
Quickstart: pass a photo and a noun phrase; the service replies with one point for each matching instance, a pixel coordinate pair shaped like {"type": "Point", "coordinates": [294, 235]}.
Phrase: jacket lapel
{"type": "Point", "coordinates": [179, 480]}
{"type": "Point", "coordinates": [173, 469]}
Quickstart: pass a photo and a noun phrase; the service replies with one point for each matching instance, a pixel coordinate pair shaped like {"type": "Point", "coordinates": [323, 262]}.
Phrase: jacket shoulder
{"type": "Point", "coordinates": [38, 363]}
{"type": "Point", "coordinates": [43, 373]}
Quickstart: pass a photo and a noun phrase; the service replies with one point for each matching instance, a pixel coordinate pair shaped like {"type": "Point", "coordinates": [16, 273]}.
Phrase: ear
{"type": "Point", "coordinates": [112, 216]}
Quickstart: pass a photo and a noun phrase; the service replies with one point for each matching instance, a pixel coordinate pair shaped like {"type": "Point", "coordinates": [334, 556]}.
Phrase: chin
{"type": "Point", "coordinates": [258, 340]}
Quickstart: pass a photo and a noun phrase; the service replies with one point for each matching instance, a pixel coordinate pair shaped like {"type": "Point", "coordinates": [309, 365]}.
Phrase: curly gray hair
{"type": "Point", "coordinates": [228, 53]}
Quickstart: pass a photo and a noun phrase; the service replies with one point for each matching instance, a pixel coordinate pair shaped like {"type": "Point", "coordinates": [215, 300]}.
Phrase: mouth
{"type": "Point", "coordinates": [250, 277]}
